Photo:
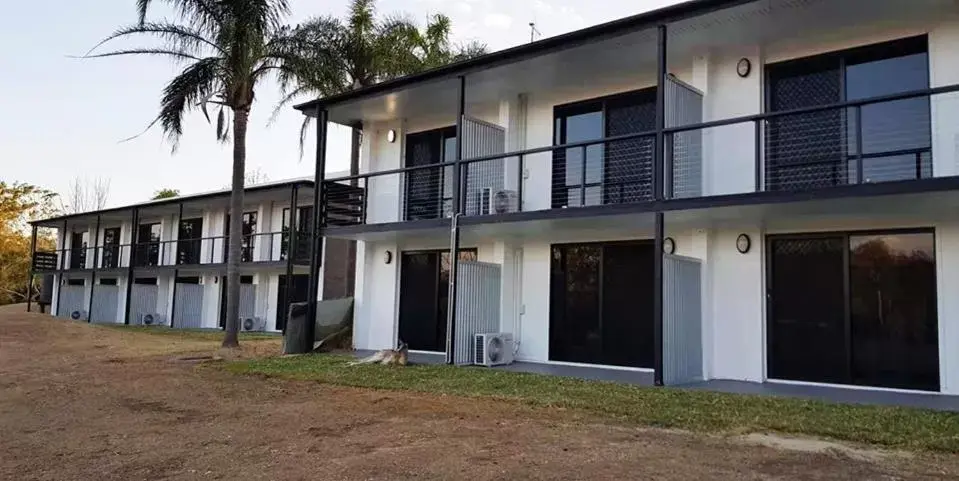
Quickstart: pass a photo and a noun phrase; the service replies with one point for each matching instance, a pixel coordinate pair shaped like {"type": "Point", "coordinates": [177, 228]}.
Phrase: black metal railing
{"type": "Point", "coordinates": [260, 247]}
{"type": "Point", "coordinates": [862, 141]}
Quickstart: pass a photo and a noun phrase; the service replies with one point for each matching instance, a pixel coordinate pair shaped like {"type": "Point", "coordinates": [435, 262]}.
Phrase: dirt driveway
{"type": "Point", "coordinates": [80, 402]}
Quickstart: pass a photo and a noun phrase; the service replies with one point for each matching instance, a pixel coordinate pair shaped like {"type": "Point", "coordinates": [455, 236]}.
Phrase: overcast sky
{"type": "Point", "coordinates": [62, 118]}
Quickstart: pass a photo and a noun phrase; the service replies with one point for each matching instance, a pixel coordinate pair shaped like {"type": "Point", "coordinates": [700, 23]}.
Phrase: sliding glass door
{"type": "Point", "coordinates": [601, 304]}
{"type": "Point", "coordinates": [615, 172]}
{"type": "Point", "coordinates": [824, 148]}
{"type": "Point", "coordinates": [424, 294]}
{"type": "Point", "coordinates": [854, 309]}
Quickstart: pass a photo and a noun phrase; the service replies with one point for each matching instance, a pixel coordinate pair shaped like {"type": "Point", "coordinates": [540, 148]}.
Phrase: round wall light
{"type": "Point", "coordinates": [743, 67]}
{"type": "Point", "coordinates": [391, 136]}
{"type": "Point", "coordinates": [669, 245]}
{"type": "Point", "coordinates": [743, 243]}
{"type": "Point", "coordinates": [388, 257]}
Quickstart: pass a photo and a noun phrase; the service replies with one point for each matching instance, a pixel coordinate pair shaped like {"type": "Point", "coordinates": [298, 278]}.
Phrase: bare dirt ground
{"type": "Point", "coordinates": [79, 402]}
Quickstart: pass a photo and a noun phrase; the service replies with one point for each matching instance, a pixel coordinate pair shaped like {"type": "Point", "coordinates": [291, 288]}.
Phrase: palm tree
{"type": "Point", "coordinates": [363, 50]}
{"type": "Point", "coordinates": [227, 47]}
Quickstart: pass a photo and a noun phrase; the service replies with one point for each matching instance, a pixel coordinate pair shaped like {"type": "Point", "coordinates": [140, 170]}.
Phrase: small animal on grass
{"type": "Point", "coordinates": [389, 357]}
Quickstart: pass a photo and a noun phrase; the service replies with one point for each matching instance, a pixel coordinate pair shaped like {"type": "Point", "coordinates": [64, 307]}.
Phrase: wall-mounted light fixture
{"type": "Point", "coordinates": [743, 243]}
{"type": "Point", "coordinates": [391, 136]}
{"type": "Point", "coordinates": [388, 257]}
{"type": "Point", "coordinates": [743, 67]}
{"type": "Point", "coordinates": [669, 245]}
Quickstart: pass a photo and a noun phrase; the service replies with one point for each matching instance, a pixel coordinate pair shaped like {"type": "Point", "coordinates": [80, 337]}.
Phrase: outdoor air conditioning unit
{"type": "Point", "coordinates": [254, 324]}
{"type": "Point", "coordinates": [493, 349]}
{"type": "Point", "coordinates": [151, 319]}
{"type": "Point", "coordinates": [79, 315]}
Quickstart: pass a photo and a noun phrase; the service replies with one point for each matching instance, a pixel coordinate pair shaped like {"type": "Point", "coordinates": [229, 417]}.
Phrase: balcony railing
{"type": "Point", "coordinates": [856, 142]}
{"type": "Point", "coordinates": [262, 247]}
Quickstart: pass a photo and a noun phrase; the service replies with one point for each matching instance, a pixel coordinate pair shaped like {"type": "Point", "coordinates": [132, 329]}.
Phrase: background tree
{"type": "Point", "coordinates": [227, 49]}
{"type": "Point", "coordinates": [363, 50]}
{"type": "Point", "coordinates": [86, 195]}
{"type": "Point", "coordinates": [19, 204]}
{"type": "Point", "coordinates": [165, 194]}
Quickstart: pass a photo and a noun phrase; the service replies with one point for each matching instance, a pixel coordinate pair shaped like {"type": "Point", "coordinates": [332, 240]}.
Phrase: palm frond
{"type": "Point", "coordinates": [184, 93]}
{"type": "Point", "coordinates": [177, 37]}
{"type": "Point", "coordinates": [200, 14]}
{"type": "Point", "coordinates": [177, 55]}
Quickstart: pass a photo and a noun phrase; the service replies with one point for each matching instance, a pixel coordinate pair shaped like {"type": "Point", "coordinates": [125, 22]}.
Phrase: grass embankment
{"type": "Point", "coordinates": [697, 411]}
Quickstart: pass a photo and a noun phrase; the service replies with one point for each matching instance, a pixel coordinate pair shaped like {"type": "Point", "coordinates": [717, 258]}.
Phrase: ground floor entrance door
{"type": "Point", "coordinates": [299, 293]}
{"type": "Point", "coordinates": [424, 294]}
{"type": "Point", "coordinates": [601, 309]}
{"type": "Point", "coordinates": [853, 308]}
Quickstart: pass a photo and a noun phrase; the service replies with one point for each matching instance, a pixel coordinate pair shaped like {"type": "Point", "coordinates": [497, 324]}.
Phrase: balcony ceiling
{"type": "Point", "coordinates": [610, 61]}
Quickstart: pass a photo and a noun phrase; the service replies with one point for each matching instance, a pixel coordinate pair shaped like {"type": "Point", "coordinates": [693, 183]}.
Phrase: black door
{"type": "Point", "coordinates": [427, 194]}
{"type": "Point", "coordinates": [854, 309]}
{"type": "Point", "coordinates": [111, 248]}
{"type": "Point", "coordinates": [249, 237]}
{"type": "Point", "coordinates": [806, 302]}
{"type": "Point", "coordinates": [300, 293]}
{"type": "Point", "coordinates": [78, 250]}
{"type": "Point", "coordinates": [148, 245]}
{"type": "Point", "coordinates": [424, 294]}
{"type": "Point", "coordinates": [188, 241]}
{"type": "Point", "coordinates": [601, 304]}
{"type": "Point", "coordinates": [304, 229]}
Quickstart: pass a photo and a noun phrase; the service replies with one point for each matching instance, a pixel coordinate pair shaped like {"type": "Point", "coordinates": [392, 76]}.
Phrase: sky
{"type": "Point", "coordinates": [63, 118]}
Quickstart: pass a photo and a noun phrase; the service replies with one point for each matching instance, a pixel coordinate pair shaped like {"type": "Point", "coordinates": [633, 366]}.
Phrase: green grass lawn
{"type": "Point", "coordinates": [697, 411]}
{"type": "Point", "coordinates": [199, 334]}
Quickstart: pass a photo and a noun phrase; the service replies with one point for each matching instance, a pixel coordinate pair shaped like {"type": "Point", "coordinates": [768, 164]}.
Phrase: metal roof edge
{"type": "Point", "coordinates": [665, 14]}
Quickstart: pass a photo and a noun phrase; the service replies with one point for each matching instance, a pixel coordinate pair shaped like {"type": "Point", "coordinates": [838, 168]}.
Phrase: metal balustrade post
{"type": "Point", "coordinates": [316, 244]}
{"type": "Point", "coordinates": [857, 111]}
{"type": "Point", "coordinates": [131, 262]}
{"type": "Point", "coordinates": [582, 177]}
{"type": "Point", "coordinates": [758, 152]}
{"type": "Point", "coordinates": [519, 182]}
{"type": "Point", "coordinates": [93, 273]}
{"type": "Point", "coordinates": [454, 222]}
{"type": "Point", "coordinates": [33, 254]}
{"type": "Point", "coordinates": [658, 164]}
{"type": "Point", "coordinates": [291, 246]}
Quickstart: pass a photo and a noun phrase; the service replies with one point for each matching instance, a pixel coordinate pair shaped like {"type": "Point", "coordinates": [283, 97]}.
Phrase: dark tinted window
{"type": "Point", "coordinates": [894, 313]}
{"type": "Point", "coordinates": [108, 282]}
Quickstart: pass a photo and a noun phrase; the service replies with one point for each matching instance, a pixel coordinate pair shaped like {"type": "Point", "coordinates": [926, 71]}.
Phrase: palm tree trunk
{"type": "Point", "coordinates": [240, 119]}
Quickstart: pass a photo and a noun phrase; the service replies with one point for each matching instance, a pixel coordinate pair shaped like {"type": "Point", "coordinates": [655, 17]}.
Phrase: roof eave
{"type": "Point", "coordinates": [590, 34]}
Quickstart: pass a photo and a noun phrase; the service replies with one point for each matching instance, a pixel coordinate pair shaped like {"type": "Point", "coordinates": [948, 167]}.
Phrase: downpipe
{"type": "Point", "coordinates": [451, 302]}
